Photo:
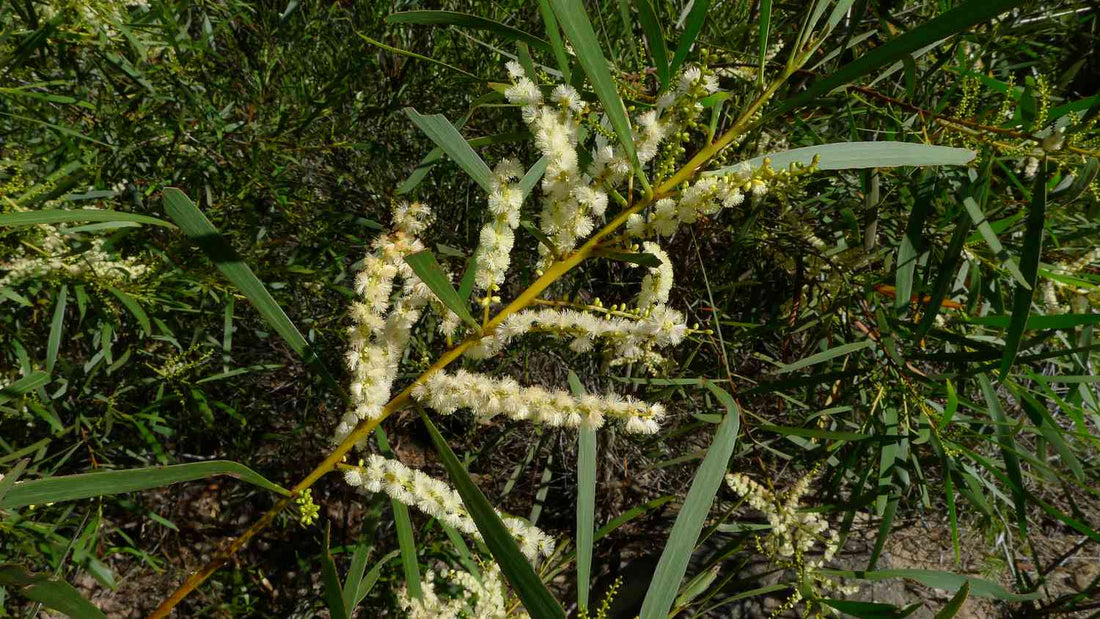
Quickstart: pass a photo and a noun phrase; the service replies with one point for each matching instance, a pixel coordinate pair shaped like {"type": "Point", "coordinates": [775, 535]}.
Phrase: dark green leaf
{"type": "Point", "coordinates": [451, 18]}
{"type": "Point", "coordinates": [655, 37]}
{"type": "Point", "coordinates": [30, 218]}
{"type": "Point", "coordinates": [206, 236]}
{"type": "Point", "coordinates": [693, 24]}
{"type": "Point", "coordinates": [910, 247]}
{"type": "Point", "coordinates": [50, 591]}
{"type": "Point", "coordinates": [526, 583]}
{"type": "Point", "coordinates": [586, 499]}
{"type": "Point", "coordinates": [1005, 430]}
{"type": "Point", "coordinates": [955, 603]}
{"type": "Point", "coordinates": [445, 136]}
{"type": "Point", "coordinates": [26, 384]}
{"type": "Point", "coordinates": [954, 21]}
{"type": "Point", "coordinates": [333, 596]}
{"type": "Point", "coordinates": [102, 483]}
{"type": "Point", "coordinates": [945, 275]}
{"type": "Point", "coordinates": [1029, 268]}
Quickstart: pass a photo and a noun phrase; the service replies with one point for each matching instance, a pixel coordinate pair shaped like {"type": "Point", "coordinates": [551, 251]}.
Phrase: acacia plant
{"type": "Point", "coordinates": [615, 166]}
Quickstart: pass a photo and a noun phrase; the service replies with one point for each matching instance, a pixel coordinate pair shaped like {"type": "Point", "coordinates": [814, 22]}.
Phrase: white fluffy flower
{"type": "Point", "coordinates": [488, 397]}
{"type": "Point", "coordinates": [657, 284]}
{"type": "Point", "coordinates": [437, 499]}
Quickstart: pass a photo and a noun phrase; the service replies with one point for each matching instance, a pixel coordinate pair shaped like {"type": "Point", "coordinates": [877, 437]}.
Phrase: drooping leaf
{"type": "Point", "coordinates": [586, 499]}
{"type": "Point", "coordinates": [203, 233]}
{"type": "Point", "coordinates": [48, 216]}
{"type": "Point", "coordinates": [655, 37]}
{"type": "Point", "coordinates": [861, 155]}
{"type": "Point", "coordinates": [693, 25]}
{"type": "Point", "coordinates": [1007, 443]}
{"type": "Point", "coordinates": [832, 353]}
{"type": "Point", "coordinates": [102, 483]}
{"type": "Point", "coordinates": [991, 239]}
{"type": "Point", "coordinates": [28, 383]}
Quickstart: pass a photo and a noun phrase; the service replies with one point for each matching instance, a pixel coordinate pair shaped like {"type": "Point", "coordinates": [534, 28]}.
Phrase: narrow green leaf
{"type": "Point", "coordinates": [406, 542]}
{"type": "Point", "coordinates": [466, 285]}
{"type": "Point", "coordinates": [135, 308]}
{"type": "Point", "coordinates": [48, 590]}
{"type": "Point", "coordinates": [910, 248]}
{"type": "Point", "coordinates": [871, 610]}
{"type": "Point", "coordinates": [473, 22]}
{"type": "Point", "coordinates": [56, 328]}
{"type": "Point", "coordinates": [831, 435]}
{"type": "Point", "coordinates": [12, 476]}
{"type": "Point", "coordinates": [673, 564]}
{"type": "Point", "coordinates": [103, 483]}
{"type": "Point", "coordinates": [586, 500]}
{"type": "Point", "coordinates": [371, 578]}
{"type": "Point", "coordinates": [947, 24]}
{"type": "Point", "coordinates": [832, 353]}
{"type": "Point", "coordinates": [526, 583]}
{"type": "Point", "coordinates": [1029, 268]}
{"type": "Point", "coordinates": [554, 34]}
{"type": "Point", "coordinates": [945, 275]}
{"type": "Point", "coordinates": [631, 514]}
{"type": "Point", "coordinates": [883, 531]}
{"type": "Point", "coordinates": [574, 22]}
{"type": "Point", "coordinates": [1005, 430]}
{"type": "Point", "coordinates": [333, 597]}
{"type": "Point", "coordinates": [26, 384]}
{"type": "Point", "coordinates": [994, 243]}
{"type": "Point", "coordinates": [1050, 430]}
{"type": "Point", "coordinates": [1083, 180]}
{"type": "Point", "coordinates": [355, 572]}
{"type": "Point", "coordinates": [860, 155]}
{"type": "Point", "coordinates": [765, 20]}
{"type": "Point", "coordinates": [203, 233]}
{"type": "Point", "coordinates": [655, 38]}
{"type": "Point", "coordinates": [954, 605]}
{"type": "Point", "coordinates": [1039, 323]}
{"type": "Point", "coordinates": [693, 24]}
{"type": "Point", "coordinates": [942, 580]}
{"type": "Point", "coordinates": [445, 136]}
{"type": "Point", "coordinates": [404, 52]}
{"type": "Point", "coordinates": [31, 218]}
{"type": "Point", "coordinates": [533, 176]}
{"type": "Point", "coordinates": [540, 235]}
{"type": "Point", "coordinates": [426, 267]}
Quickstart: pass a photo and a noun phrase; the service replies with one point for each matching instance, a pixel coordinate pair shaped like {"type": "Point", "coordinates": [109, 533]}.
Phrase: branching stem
{"type": "Point", "coordinates": [553, 273]}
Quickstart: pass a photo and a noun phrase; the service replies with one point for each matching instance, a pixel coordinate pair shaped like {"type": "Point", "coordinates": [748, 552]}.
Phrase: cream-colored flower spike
{"type": "Point", "coordinates": [630, 338]}
{"type": "Point", "coordinates": [437, 499]}
{"type": "Point", "coordinates": [793, 531]}
{"type": "Point", "coordinates": [55, 258]}
{"type": "Point", "coordinates": [488, 397]}
{"type": "Point", "coordinates": [377, 340]}
{"type": "Point", "coordinates": [494, 252]}
{"type": "Point", "coordinates": [482, 598]}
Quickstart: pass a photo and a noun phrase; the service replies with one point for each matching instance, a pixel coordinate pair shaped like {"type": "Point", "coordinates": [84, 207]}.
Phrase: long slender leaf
{"type": "Point", "coordinates": [464, 20]}
{"type": "Point", "coordinates": [31, 218]}
{"type": "Point", "coordinates": [693, 24]}
{"type": "Point", "coordinates": [135, 308]}
{"type": "Point", "coordinates": [861, 155]}
{"type": "Point", "coordinates": [1029, 268]}
{"type": "Point", "coordinates": [426, 267]}
{"type": "Point", "coordinates": [574, 22]}
{"type": "Point", "coordinates": [909, 249]}
{"type": "Point", "coordinates": [1008, 450]}
{"type": "Point", "coordinates": [991, 239]}
{"type": "Point", "coordinates": [954, 605]}
{"type": "Point", "coordinates": [333, 595]}
{"type": "Point", "coordinates": [942, 580]}
{"type": "Point", "coordinates": [945, 275]}
{"type": "Point", "coordinates": [203, 233]}
{"type": "Point", "coordinates": [48, 590]}
{"type": "Point", "coordinates": [954, 21]}
{"type": "Point", "coordinates": [526, 583]}
{"type": "Point", "coordinates": [832, 353]}
{"type": "Point", "coordinates": [672, 566]}
{"type": "Point", "coordinates": [57, 326]}
{"type": "Point", "coordinates": [28, 383]}
{"type": "Point", "coordinates": [406, 542]}
{"type": "Point", "coordinates": [103, 483]}
{"type": "Point", "coordinates": [655, 37]}
{"type": "Point", "coordinates": [586, 500]}
{"type": "Point", "coordinates": [445, 136]}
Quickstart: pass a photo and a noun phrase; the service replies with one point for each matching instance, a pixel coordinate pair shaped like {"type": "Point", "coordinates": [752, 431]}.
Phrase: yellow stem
{"type": "Point", "coordinates": [555, 271]}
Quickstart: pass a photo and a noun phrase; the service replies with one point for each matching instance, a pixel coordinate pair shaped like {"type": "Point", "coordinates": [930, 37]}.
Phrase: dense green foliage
{"type": "Point", "coordinates": [918, 341]}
